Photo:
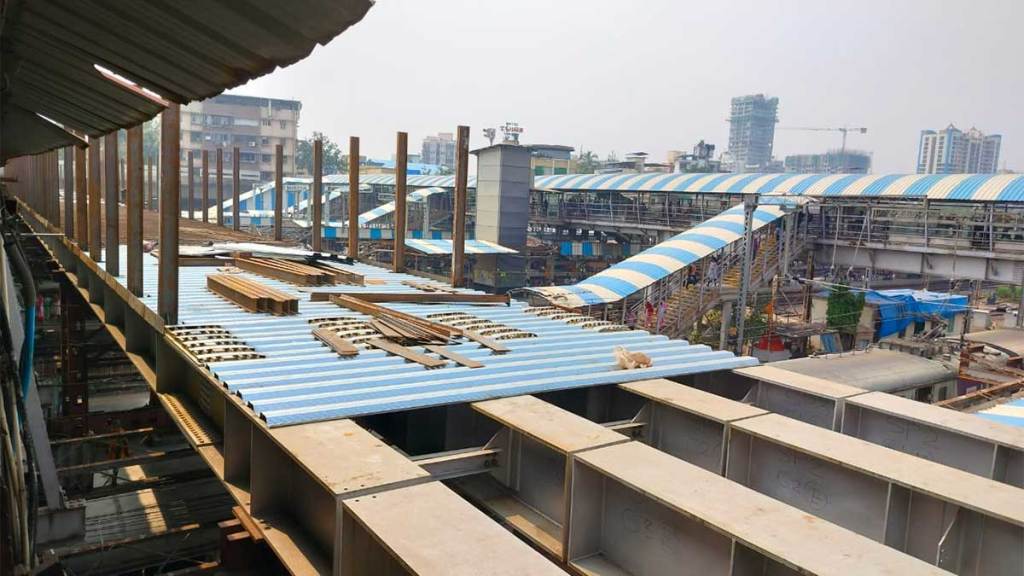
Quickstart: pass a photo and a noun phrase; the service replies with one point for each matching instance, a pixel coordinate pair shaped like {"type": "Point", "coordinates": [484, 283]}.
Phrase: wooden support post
{"type": "Point", "coordinates": [170, 212]}
{"type": "Point", "coordinates": [236, 191]}
{"type": "Point", "coordinates": [318, 184]}
{"type": "Point", "coordinates": [401, 165]}
{"type": "Point", "coordinates": [152, 190]}
{"type": "Point", "coordinates": [69, 194]}
{"type": "Point", "coordinates": [353, 197]}
{"type": "Point", "coordinates": [204, 184]}
{"type": "Point", "coordinates": [113, 218]}
{"type": "Point", "coordinates": [81, 200]}
{"type": "Point", "coordinates": [278, 190]}
{"type": "Point", "coordinates": [191, 187]}
{"type": "Point", "coordinates": [220, 186]}
{"type": "Point", "coordinates": [133, 201]}
{"type": "Point", "coordinates": [459, 209]}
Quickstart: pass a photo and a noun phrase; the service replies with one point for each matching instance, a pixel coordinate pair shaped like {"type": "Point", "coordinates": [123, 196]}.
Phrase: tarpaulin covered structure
{"type": "Point", "coordinates": [897, 309]}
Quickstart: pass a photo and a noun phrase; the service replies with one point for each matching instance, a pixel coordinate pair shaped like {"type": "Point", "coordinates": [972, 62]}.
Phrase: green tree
{"type": "Point", "coordinates": [844, 309]}
{"type": "Point", "coordinates": [333, 163]}
{"type": "Point", "coordinates": [587, 162]}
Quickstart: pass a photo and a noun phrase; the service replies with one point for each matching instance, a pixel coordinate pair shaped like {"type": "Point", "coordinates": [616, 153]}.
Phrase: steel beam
{"type": "Point", "coordinates": [958, 521]}
{"type": "Point", "coordinates": [81, 199]}
{"type": "Point", "coordinates": [112, 255]}
{"type": "Point", "coordinates": [170, 212]}
{"type": "Point", "coordinates": [204, 184]}
{"type": "Point", "coordinates": [69, 194]}
{"type": "Point", "coordinates": [459, 208]}
{"type": "Point", "coordinates": [805, 398]}
{"type": "Point", "coordinates": [961, 441]}
{"type": "Point", "coordinates": [134, 201]}
{"type": "Point", "coordinates": [401, 167]}
{"type": "Point", "coordinates": [191, 186]}
{"type": "Point", "coordinates": [353, 197]}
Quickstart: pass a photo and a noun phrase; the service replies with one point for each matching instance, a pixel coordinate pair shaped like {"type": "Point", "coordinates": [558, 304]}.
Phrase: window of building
{"type": "Point", "coordinates": [266, 158]}
{"type": "Point", "coordinates": [265, 122]}
{"type": "Point", "coordinates": [247, 157]}
{"type": "Point", "coordinates": [265, 141]}
{"type": "Point", "coordinates": [284, 124]}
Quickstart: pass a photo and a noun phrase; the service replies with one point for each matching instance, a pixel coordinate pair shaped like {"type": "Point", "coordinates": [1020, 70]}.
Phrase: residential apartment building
{"type": "Point", "coordinates": [953, 151]}
{"type": "Point", "coordinates": [752, 132]}
{"type": "Point", "coordinates": [254, 125]}
{"type": "Point", "coordinates": [831, 162]}
{"type": "Point", "coordinates": [439, 150]}
{"type": "Point", "coordinates": [548, 159]}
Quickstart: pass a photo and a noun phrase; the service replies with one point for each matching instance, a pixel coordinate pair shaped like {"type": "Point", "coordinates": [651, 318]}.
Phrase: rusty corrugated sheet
{"type": "Point", "coordinates": [183, 50]}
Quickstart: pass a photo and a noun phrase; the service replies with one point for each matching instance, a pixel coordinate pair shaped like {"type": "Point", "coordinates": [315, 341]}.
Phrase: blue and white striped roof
{"type": "Point", "coordinates": [967, 187]}
{"type": "Point", "coordinates": [300, 380]}
{"type": "Point", "coordinates": [1011, 413]}
{"type": "Point", "coordinates": [389, 207]}
{"type": "Point", "coordinates": [435, 246]}
{"type": "Point", "coordinates": [638, 272]}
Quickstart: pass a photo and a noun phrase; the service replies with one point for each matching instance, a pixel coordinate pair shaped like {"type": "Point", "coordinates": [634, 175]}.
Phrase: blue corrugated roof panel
{"type": "Point", "coordinates": [299, 380]}
{"type": "Point", "coordinates": [1011, 413]}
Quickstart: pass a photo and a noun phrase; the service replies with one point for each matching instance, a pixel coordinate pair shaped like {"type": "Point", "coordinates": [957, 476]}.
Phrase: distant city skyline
{"type": "Point", "coordinates": [581, 83]}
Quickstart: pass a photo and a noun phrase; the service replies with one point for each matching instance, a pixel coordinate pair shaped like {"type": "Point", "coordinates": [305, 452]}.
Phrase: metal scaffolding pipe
{"type": "Point", "coordinates": [401, 168]}
{"type": "Point", "coordinates": [459, 208]}
{"type": "Point", "coordinates": [170, 212]}
{"type": "Point", "coordinates": [133, 206]}
{"type": "Point", "coordinates": [353, 197]}
{"type": "Point", "coordinates": [112, 257]}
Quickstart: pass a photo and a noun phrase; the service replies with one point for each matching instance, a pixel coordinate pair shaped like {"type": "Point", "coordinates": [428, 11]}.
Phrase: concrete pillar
{"type": "Point", "coordinates": [723, 332]}
{"type": "Point", "coordinates": [502, 213]}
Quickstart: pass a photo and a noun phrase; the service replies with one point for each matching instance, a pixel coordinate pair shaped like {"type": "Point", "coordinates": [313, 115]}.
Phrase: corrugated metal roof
{"type": "Point", "coordinates": [435, 246]}
{"type": "Point", "coordinates": [389, 207]}
{"type": "Point", "coordinates": [966, 187]}
{"type": "Point", "coordinates": [185, 50]}
{"type": "Point", "coordinates": [637, 272]}
{"type": "Point", "coordinates": [1011, 413]}
{"type": "Point", "coordinates": [300, 380]}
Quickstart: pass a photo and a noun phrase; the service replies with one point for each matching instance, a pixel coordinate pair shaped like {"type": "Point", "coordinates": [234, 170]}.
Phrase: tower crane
{"type": "Point", "coordinates": [845, 130]}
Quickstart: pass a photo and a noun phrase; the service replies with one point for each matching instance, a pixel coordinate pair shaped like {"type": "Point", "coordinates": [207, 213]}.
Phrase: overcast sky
{"type": "Point", "coordinates": [655, 75]}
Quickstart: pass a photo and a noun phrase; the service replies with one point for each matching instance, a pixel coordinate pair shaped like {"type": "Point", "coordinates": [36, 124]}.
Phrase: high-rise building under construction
{"type": "Point", "coordinates": [752, 132]}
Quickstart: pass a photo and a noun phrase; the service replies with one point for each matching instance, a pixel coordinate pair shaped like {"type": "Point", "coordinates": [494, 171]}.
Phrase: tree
{"type": "Point", "coordinates": [587, 162]}
{"type": "Point", "coordinates": [332, 160]}
{"type": "Point", "coordinates": [844, 309]}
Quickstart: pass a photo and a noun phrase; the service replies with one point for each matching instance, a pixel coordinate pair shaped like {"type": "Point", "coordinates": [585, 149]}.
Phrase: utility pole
{"type": "Point", "coordinates": [749, 205]}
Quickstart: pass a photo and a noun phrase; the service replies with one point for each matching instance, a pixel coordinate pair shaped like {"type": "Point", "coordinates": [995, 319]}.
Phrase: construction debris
{"type": "Point", "coordinates": [252, 295]}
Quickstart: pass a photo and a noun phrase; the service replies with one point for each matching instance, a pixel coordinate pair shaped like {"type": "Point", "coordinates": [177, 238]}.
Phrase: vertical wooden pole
{"type": "Point", "coordinates": [133, 202]}
{"type": "Point", "coordinates": [112, 197]}
{"type": "Point", "coordinates": [236, 184]}
{"type": "Point", "coordinates": [190, 170]}
{"type": "Point", "coordinates": [204, 184]}
{"type": "Point", "coordinates": [401, 165]}
{"type": "Point", "coordinates": [69, 192]}
{"type": "Point", "coordinates": [81, 200]}
{"type": "Point", "coordinates": [318, 185]}
{"type": "Point", "coordinates": [459, 214]}
{"type": "Point", "coordinates": [220, 186]}
{"type": "Point", "coordinates": [69, 221]}
{"type": "Point", "coordinates": [152, 191]}
{"type": "Point", "coordinates": [278, 189]}
{"type": "Point", "coordinates": [170, 212]}
{"type": "Point", "coordinates": [353, 197]}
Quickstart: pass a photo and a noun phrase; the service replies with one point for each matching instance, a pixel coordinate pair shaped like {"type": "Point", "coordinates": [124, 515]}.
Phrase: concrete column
{"type": "Point", "coordinates": [723, 332]}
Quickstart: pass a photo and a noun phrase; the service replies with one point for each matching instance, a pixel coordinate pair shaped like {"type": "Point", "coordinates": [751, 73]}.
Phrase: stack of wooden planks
{"type": "Point", "coordinates": [287, 270]}
{"type": "Point", "coordinates": [417, 297]}
{"type": "Point", "coordinates": [252, 295]}
{"type": "Point", "coordinates": [416, 326]}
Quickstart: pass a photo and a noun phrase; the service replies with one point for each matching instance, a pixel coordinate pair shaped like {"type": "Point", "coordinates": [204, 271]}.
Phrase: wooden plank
{"type": "Point", "coordinates": [418, 297]}
{"type": "Point", "coordinates": [454, 356]}
{"type": "Point", "coordinates": [485, 341]}
{"type": "Point", "coordinates": [399, 350]}
{"type": "Point", "coordinates": [340, 345]}
{"type": "Point", "coordinates": [372, 309]}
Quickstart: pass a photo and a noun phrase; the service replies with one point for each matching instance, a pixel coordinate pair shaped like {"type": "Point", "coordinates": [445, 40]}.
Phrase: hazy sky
{"type": "Point", "coordinates": [655, 75]}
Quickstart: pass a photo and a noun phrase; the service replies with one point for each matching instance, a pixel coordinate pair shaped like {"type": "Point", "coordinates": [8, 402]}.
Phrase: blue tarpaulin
{"type": "Point", "coordinates": [897, 309]}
